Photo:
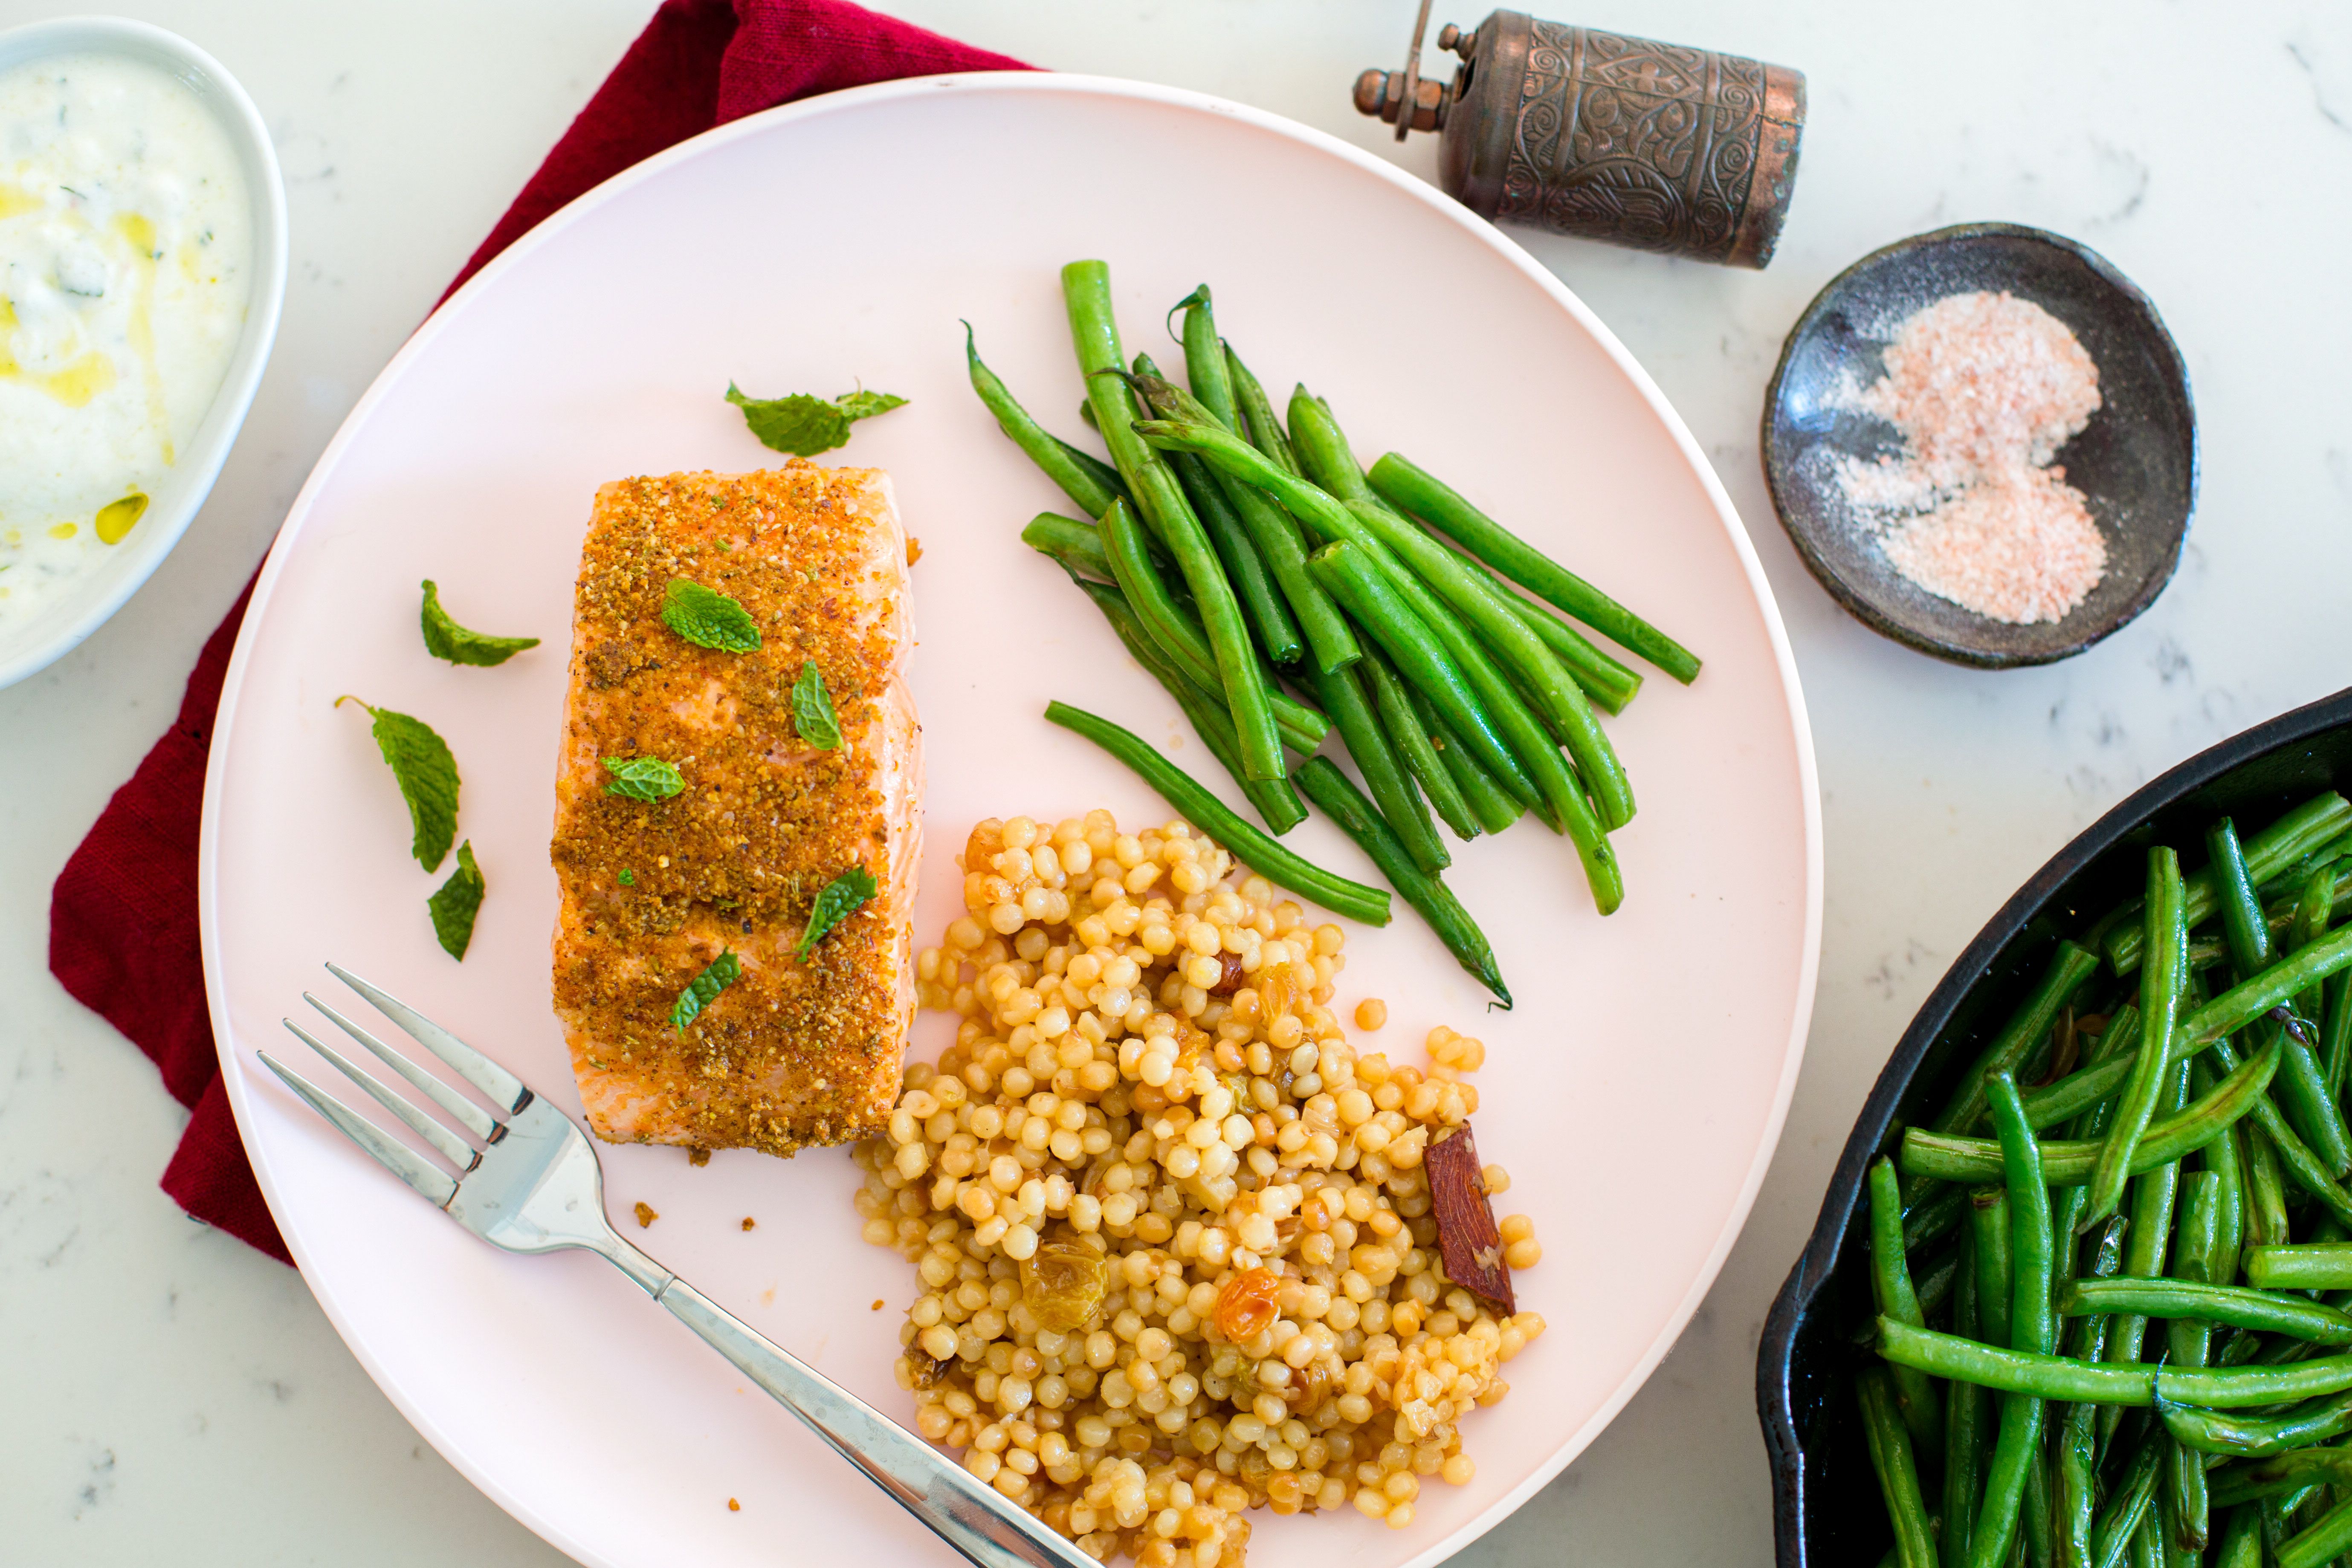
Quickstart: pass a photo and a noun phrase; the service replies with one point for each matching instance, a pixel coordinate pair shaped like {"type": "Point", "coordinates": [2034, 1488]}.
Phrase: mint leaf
{"type": "Point", "coordinates": [805, 425]}
{"type": "Point", "coordinates": [866, 404]}
{"type": "Point", "coordinates": [445, 639]}
{"type": "Point", "coordinates": [842, 897]}
{"type": "Point", "coordinates": [717, 975]}
{"type": "Point", "coordinates": [427, 775]}
{"type": "Point", "coordinates": [708, 618]}
{"type": "Point", "coordinates": [456, 905]}
{"type": "Point", "coordinates": [812, 709]}
{"type": "Point", "coordinates": [643, 778]}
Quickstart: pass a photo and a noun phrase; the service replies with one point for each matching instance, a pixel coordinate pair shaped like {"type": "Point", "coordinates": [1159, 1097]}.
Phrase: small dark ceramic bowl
{"type": "Point", "coordinates": [1825, 1501]}
{"type": "Point", "coordinates": [2136, 462]}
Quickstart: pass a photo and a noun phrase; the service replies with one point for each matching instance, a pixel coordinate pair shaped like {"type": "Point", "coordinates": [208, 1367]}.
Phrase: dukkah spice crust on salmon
{"type": "Point", "coordinates": [793, 1053]}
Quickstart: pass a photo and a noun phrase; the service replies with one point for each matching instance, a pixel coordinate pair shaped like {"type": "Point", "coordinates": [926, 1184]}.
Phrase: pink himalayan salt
{"type": "Point", "coordinates": [1985, 388]}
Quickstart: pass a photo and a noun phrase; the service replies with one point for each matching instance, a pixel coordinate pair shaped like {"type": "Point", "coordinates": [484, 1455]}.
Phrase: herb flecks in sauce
{"type": "Point", "coordinates": [125, 243]}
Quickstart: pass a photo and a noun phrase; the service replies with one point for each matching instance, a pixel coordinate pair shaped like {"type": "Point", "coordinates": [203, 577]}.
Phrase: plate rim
{"type": "Point", "coordinates": [239, 1081]}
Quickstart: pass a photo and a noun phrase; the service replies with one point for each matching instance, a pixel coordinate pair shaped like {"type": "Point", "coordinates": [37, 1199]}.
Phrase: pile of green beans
{"type": "Point", "coordinates": [1281, 592]}
{"type": "Point", "coordinates": [2113, 1310]}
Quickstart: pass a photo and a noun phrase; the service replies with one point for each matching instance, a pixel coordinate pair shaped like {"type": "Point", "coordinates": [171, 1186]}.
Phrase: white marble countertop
{"type": "Point", "coordinates": [171, 1394]}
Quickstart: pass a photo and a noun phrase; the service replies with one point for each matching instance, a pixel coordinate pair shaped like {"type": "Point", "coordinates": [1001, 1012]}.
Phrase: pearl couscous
{"type": "Point", "coordinates": [1176, 1246]}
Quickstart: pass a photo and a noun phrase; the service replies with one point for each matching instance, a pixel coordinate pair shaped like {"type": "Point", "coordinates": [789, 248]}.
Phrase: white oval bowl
{"type": "Point", "coordinates": [82, 611]}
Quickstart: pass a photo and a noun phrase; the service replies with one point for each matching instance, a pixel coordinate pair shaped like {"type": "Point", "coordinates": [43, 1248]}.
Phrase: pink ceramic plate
{"type": "Point", "coordinates": [835, 240]}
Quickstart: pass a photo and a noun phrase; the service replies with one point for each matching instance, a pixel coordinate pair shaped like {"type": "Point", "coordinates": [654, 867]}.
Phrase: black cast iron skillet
{"type": "Point", "coordinates": [1825, 1503]}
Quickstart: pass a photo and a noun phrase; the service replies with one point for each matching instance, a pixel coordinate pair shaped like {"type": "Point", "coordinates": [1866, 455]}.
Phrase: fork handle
{"type": "Point", "coordinates": [979, 1522]}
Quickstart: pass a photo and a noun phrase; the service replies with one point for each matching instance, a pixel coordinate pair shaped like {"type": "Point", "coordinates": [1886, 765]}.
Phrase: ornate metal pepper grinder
{"type": "Point", "coordinates": [1609, 138]}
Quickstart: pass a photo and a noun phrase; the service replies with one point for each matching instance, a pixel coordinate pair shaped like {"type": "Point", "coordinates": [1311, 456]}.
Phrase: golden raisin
{"type": "Point", "coordinates": [1246, 1305]}
{"type": "Point", "coordinates": [1229, 975]}
{"type": "Point", "coordinates": [1062, 1283]}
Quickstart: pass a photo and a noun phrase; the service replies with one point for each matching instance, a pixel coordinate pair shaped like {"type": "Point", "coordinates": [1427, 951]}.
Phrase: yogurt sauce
{"type": "Point", "coordinates": [125, 261]}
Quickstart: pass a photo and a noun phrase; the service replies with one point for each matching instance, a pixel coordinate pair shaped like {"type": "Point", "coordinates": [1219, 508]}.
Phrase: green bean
{"type": "Point", "coordinates": [1339, 799]}
{"type": "Point", "coordinates": [2077, 1491]}
{"type": "Point", "coordinates": [1416, 492]}
{"type": "Point", "coordinates": [1936, 1282]}
{"type": "Point", "coordinates": [1324, 456]}
{"type": "Point", "coordinates": [1369, 596]}
{"type": "Point", "coordinates": [2323, 1543]}
{"type": "Point", "coordinates": [2146, 1238]}
{"type": "Point", "coordinates": [2336, 1032]}
{"type": "Point", "coordinates": [1204, 359]}
{"type": "Point", "coordinates": [1127, 546]}
{"type": "Point", "coordinates": [1890, 1276]}
{"type": "Point", "coordinates": [1077, 547]}
{"type": "Point", "coordinates": [2242, 1540]}
{"type": "Point", "coordinates": [1602, 678]}
{"type": "Point", "coordinates": [1160, 501]}
{"type": "Point", "coordinates": [2306, 828]}
{"type": "Point", "coordinates": [2167, 944]}
{"type": "Point", "coordinates": [2096, 1082]}
{"type": "Point", "coordinates": [1343, 697]}
{"type": "Point", "coordinates": [1988, 1243]}
{"type": "Point", "coordinates": [1213, 817]}
{"type": "Point", "coordinates": [1542, 664]}
{"type": "Point", "coordinates": [2128, 1504]}
{"type": "Point", "coordinates": [1933, 1215]}
{"type": "Point", "coordinates": [2143, 1549]}
{"type": "Point", "coordinates": [2323, 1003]}
{"type": "Point", "coordinates": [2302, 1087]}
{"type": "Point", "coordinates": [2314, 903]}
{"type": "Point", "coordinates": [1891, 1455]}
{"type": "Point", "coordinates": [2235, 1305]}
{"type": "Point", "coordinates": [2036, 1548]}
{"type": "Point", "coordinates": [1494, 807]}
{"type": "Point", "coordinates": [2266, 1216]}
{"type": "Point", "coordinates": [1263, 605]}
{"type": "Point", "coordinates": [1392, 700]}
{"type": "Point", "coordinates": [1558, 795]}
{"type": "Point", "coordinates": [2032, 1328]}
{"type": "Point", "coordinates": [1100, 472]}
{"type": "Point", "coordinates": [1967, 1436]}
{"type": "Point", "coordinates": [1559, 799]}
{"type": "Point", "coordinates": [2196, 1238]}
{"type": "Point", "coordinates": [1553, 692]}
{"type": "Point", "coordinates": [2068, 1163]}
{"type": "Point", "coordinates": [2269, 1476]}
{"type": "Point", "coordinates": [2294, 1156]}
{"type": "Point", "coordinates": [1263, 599]}
{"type": "Point", "coordinates": [1265, 432]}
{"type": "Point", "coordinates": [2204, 952]}
{"type": "Point", "coordinates": [1059, 461]}
{"type": "Point", "coordinates": [2221, 1432]}
{"type": "Point", "coordinates": [1609, 684]}
{"type": "Point", "coordinates": [2241, 908]}
{"type": "Point", "coordinates": [2069, 967]}
{"type": "Point", "coordinates": [2133, 1386]}
{"type": "Point", "coordinates": [1277, 803]}
{"type": "Point", "coordinates": [2320, 1265]}
{"type": "Point", "coordinates": [2221, 1160]}
{"type": "Point", "coordinates": [2155, 1191]}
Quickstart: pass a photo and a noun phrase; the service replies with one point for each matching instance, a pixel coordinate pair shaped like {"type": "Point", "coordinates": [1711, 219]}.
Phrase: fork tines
{"type": "Point", "coordinates": [498, 1085]}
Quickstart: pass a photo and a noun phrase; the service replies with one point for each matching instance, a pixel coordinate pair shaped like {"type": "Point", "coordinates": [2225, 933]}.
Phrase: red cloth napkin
{"type": "Point", "coordinates": [122, 916]}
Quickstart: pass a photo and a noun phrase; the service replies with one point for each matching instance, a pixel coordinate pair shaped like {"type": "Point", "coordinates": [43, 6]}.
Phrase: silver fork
{"type": "Point", "coordinates": [533, 1185]}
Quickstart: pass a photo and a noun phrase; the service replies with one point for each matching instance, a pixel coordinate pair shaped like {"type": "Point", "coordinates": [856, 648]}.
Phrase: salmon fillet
{"type": "Point", "coordinates": [792, 1054]}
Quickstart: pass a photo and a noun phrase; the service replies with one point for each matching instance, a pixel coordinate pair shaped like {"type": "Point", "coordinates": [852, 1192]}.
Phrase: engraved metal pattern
{"type": "Point", "coordinates": [1639, 143]}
